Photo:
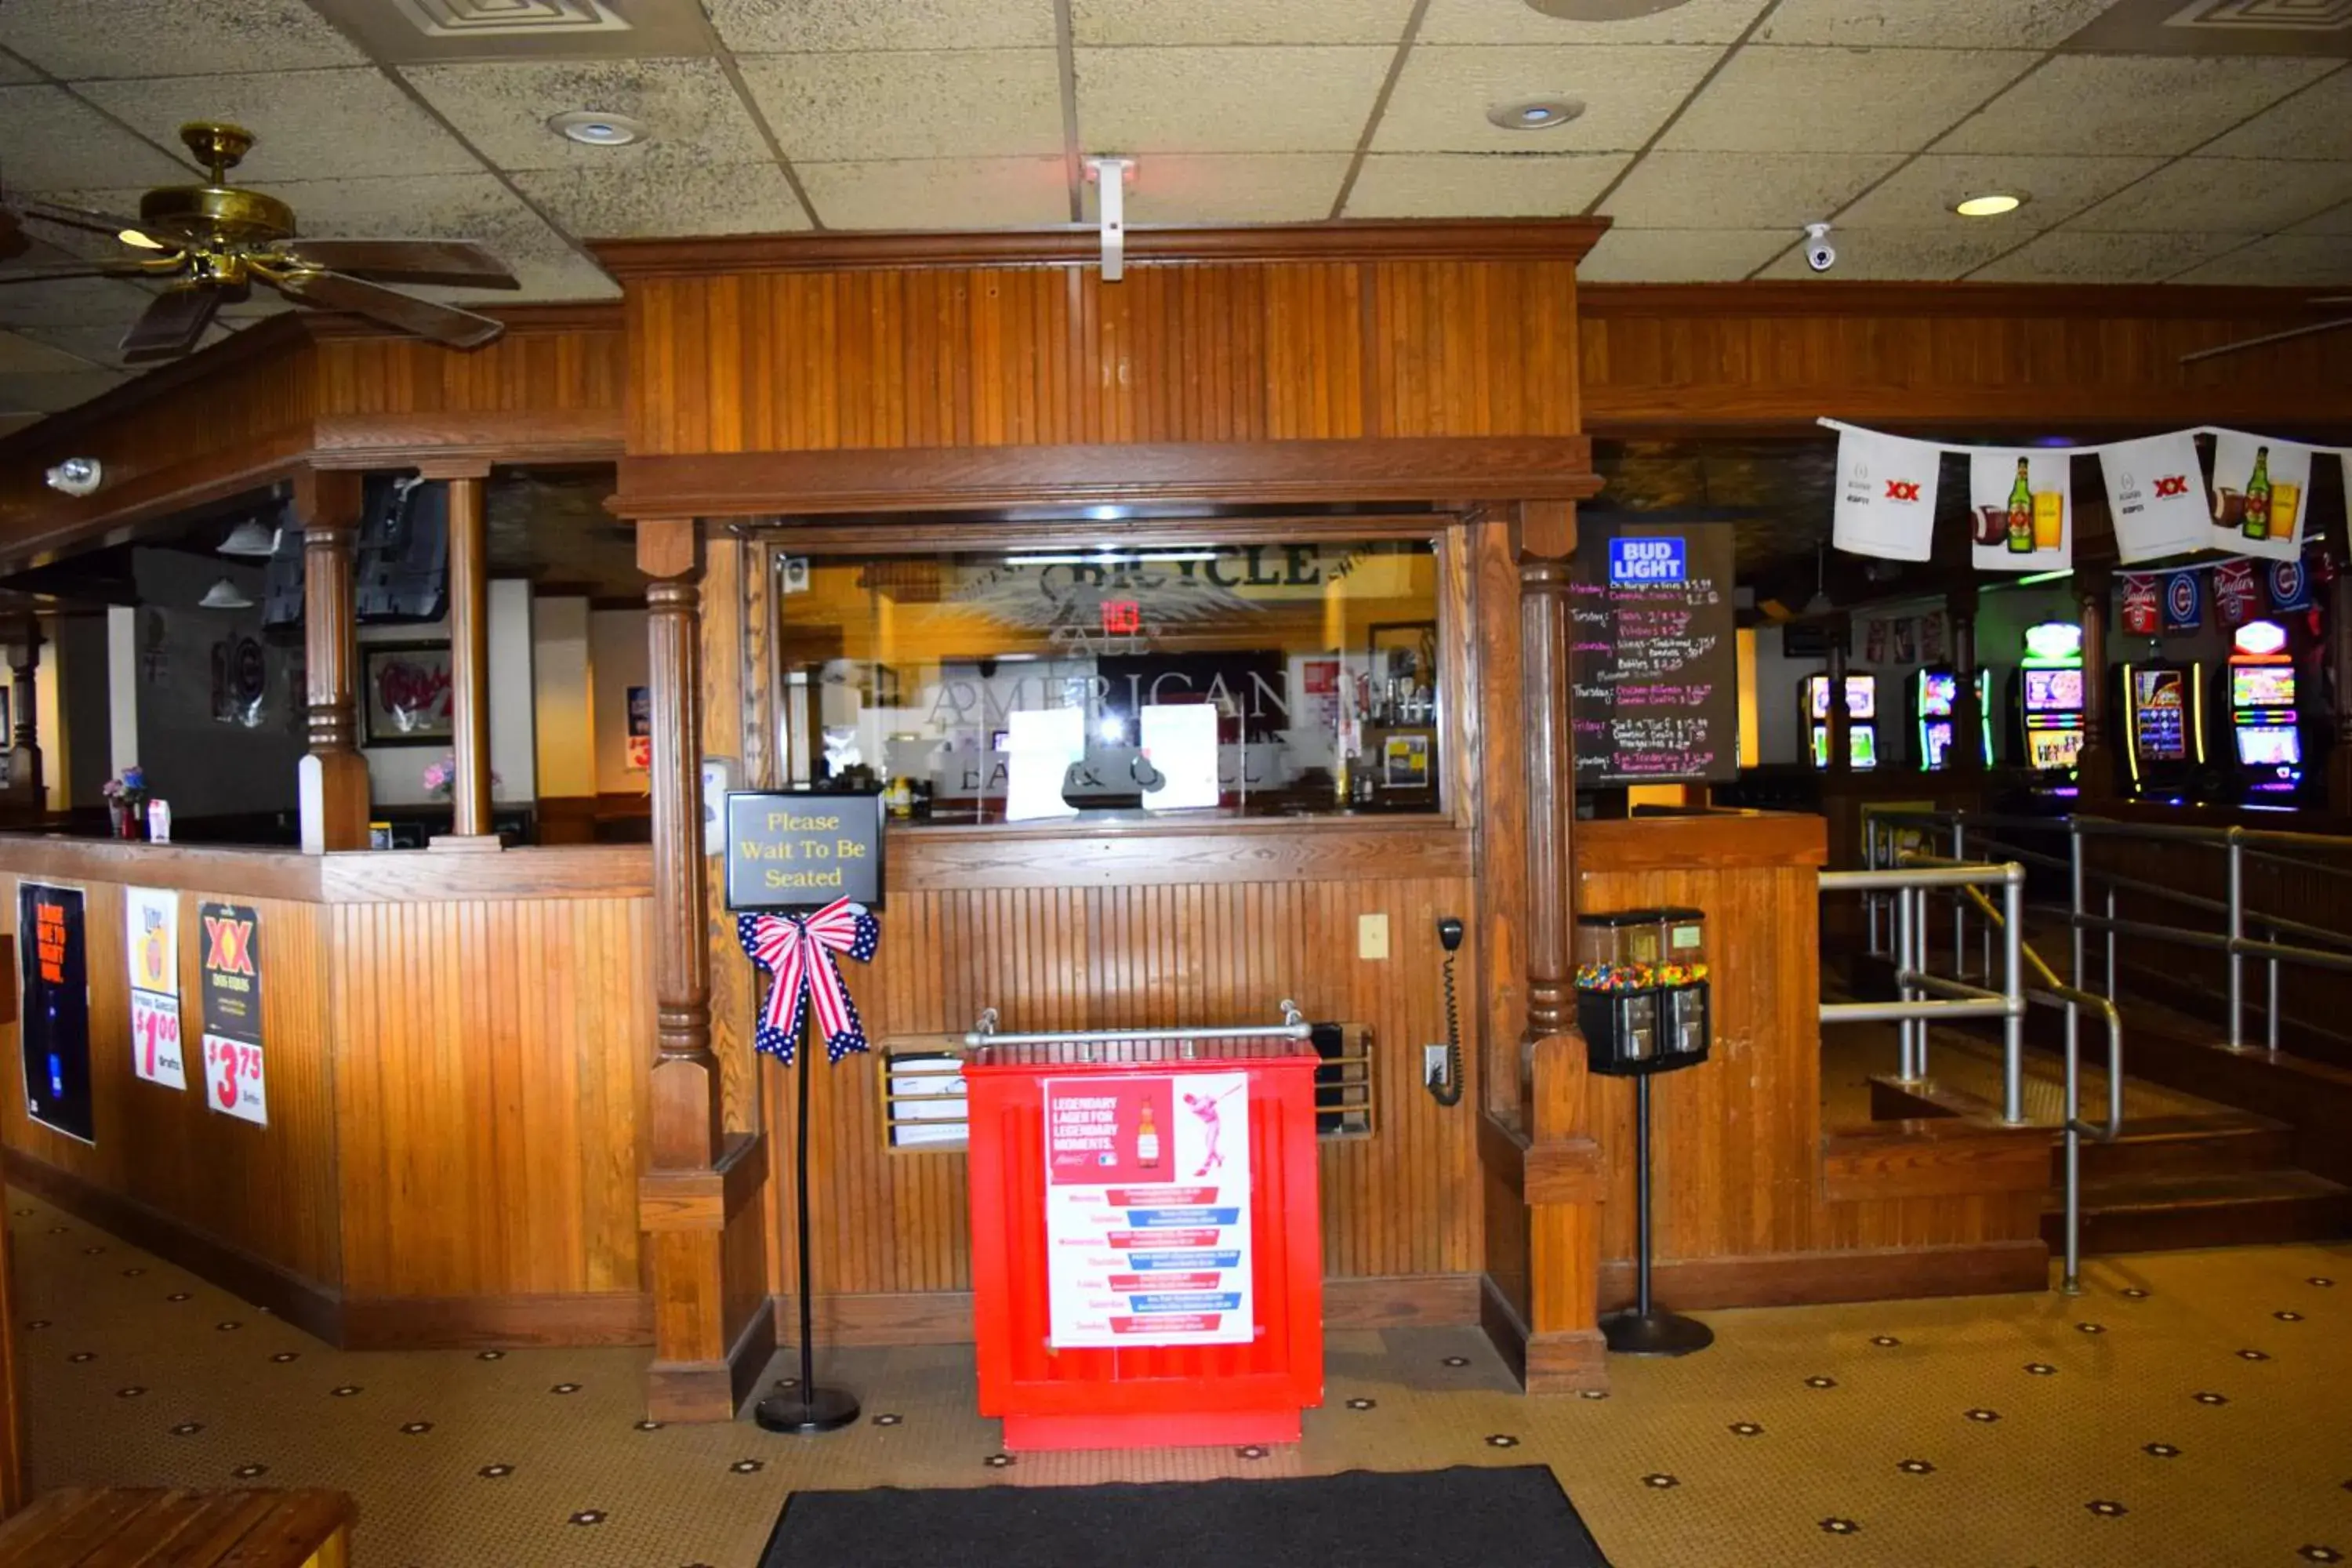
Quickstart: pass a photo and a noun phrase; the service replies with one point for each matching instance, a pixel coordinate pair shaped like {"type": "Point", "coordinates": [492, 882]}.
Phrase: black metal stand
{"type": "Point", "coordinates": [1645, 1331]}
{"type": "Point", "coordinates": [799, 1405]}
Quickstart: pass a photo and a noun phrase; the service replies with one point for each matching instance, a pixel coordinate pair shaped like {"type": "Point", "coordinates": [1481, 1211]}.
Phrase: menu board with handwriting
{"type": "Point", "coordinates": [1654, 661]}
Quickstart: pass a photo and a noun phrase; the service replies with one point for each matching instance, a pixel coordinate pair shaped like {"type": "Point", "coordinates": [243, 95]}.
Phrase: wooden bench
{"type": "Point", "coordinates": [183, 1529]}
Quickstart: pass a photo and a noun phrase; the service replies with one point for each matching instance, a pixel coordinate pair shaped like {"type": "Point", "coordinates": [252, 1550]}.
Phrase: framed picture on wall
{"type": "Point", "coordinates": [406, 694]}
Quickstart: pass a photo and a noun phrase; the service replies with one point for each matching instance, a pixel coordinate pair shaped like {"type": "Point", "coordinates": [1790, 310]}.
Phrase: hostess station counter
{"type": "Point", "coordinates": [1146, 1252]}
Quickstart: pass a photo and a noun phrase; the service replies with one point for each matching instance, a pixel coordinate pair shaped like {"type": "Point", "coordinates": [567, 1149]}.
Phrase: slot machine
{"type": "Point", "coordinates": [2045, 703]}
{"type": "Point", "coordinates": [2163, 706]}
{"type": "Point", "coordinates": [2265, 723]}
{"type": "Point", "coordinates": [1935, 700]}
{"type": "Point", "coordinates": [1862, 720]}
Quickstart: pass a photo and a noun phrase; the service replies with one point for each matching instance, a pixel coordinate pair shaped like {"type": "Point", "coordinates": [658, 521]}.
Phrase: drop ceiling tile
{"type": "Point", "coordinates": [1928, 254]}
{"type": "Point", "coordinates": [1481, 184]}
{"type": "Point", "coordinates": [50, 394]}
{"type": "Point", "coordinates": [81, 39]}
{"type": "Point", "coordinates": [938, 192]}
{"type": "Point", "coordinates": [1233, 187]}
{"type": "Point", "coordinates": [76, 302]}
{"type": "Point", "coordinates": [51, 140]}
{"type": "Point", "coordinates": [12, 423]}
{"type": "Point", "coordinates": [1680, 255]}
{"type": "Point", "coordinates": [1910, 24]}
{"type": "Point", "coordinates": [1269, 99]}
{"type": "Point", "coordinates": [845, 26]}
{"type": "Point", "coordinates": [1160, 23]}
{"type": "Point", "coordinates": [2115, 104]}
{"type": "Point", "coordinates": [13, 71]}
{"type": "Point", "coordinates": [2222, 196]}
{"type": "Point", "coordinates": [1443, 93]}
{"type": "Point", "coordinates": [970, 104]}
{"type": "Point", "coordinates": [2282, 260]}
{"type": "Point", "coordinates": [39, 353]}
{"type": "Point", "coordinates": [307, 125]}
{"type": "Point", "coordinates": [2315, 123]}
{"type": "Point", "coordinates": [1923, 192]}
{"type": "Point", "coordinates": [691, 113]}
{"type": "Point", "coordinates": [2335, 220]}
{"type": "Point", "coordinates": [712, 198]}
{"type": "Point", "coordinates": [1743, 190]}
{"type": "Point", "coordinates": [1770, 99]}
{"type": "Point", "coordinates": [1508, 22]}
{"type": "Point", "coordinates": [101, 347]}
{"type": "Point", "coordinates": [2068, 255]}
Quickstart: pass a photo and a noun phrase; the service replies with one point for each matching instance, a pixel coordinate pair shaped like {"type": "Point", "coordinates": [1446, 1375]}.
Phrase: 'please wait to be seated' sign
{"type": "Point", "coordinates": [803, 848]}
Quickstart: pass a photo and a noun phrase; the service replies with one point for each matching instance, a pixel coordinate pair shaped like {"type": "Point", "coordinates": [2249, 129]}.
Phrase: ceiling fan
{"type": "Point", "coordinates": [2335, 325]}
{"type": "Point", "coordinates": [216, 241]}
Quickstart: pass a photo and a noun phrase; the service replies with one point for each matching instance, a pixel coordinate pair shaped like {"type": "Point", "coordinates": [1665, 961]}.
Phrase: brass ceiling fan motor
{"type": "Point", "coordinates": [215, 240]}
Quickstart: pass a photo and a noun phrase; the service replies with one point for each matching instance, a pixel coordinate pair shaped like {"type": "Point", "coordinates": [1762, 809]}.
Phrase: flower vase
{"type": "Point", "coordinates": [126, 821]}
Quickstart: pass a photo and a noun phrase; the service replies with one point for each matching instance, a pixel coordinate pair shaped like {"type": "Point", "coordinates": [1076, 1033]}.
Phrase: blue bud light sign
{"type": "Point", "coordinates": [1645, 563]}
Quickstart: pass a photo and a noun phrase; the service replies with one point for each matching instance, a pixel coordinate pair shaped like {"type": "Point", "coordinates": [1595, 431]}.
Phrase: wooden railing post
{"type": "Point", "coordinates": [2095, 768]}
{"type": "Point", "coordinates": [25, 777]}
{"type": "Point", "coordinates": [333, 775]}
{"type": "Point", "coordinates": [1564, 1348]}
{"type": "Point", "coordinates": [1840, 723]}
{"type": "Point", "coordinates": [2339, 641]}
{"type": "Point", "coordinates": [470, 652]}
{"type": "Point", "coordinates": [1967, 755]}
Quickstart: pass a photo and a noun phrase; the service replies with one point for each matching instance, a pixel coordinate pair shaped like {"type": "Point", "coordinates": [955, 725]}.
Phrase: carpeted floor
{"type": "Point", "coordinates": [2191, 1409]}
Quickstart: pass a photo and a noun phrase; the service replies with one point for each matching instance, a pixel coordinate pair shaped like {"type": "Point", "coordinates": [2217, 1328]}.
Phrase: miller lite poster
{"type": "Point", "coordinates": [1148, 1210]}
{"type": "Point", "coordinates": [2262, 489]}
{"type": "Point", "coordinates": [2156, 495]}
{"type": "Point", "coordinates": [2184, 602]}
{"type": "Point", "coordinates": [1885, 495]}
{"type": "Point", "coordinates": [2143, 617]}
{"type": "Point", "coordinates": [2021, 510]}
{"type": "Point", "coordinates": [235, 1082]}
{"type": "Point", "coordinates": [151, 944]}
{"type": "Point", "coordinates": [53, 953]}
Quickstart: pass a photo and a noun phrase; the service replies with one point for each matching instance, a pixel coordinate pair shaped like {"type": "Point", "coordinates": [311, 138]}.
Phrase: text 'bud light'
{"type": "Point", "coordinates": [1635, 562]}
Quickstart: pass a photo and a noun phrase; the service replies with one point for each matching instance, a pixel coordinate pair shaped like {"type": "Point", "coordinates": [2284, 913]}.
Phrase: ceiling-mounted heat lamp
{"type": "Point", "coordinates": [1112, 174]}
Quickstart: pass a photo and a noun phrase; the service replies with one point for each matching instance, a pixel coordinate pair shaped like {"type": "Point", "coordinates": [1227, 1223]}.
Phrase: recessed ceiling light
{"type": "Point", "coordinates": [1601, 10]}
{"type": "Point", "coordinates": [1536, 113]}
{"type": "Point", "coordinates": [596, 130]}
{"type": "Point", "coordinates": [1989, 206]}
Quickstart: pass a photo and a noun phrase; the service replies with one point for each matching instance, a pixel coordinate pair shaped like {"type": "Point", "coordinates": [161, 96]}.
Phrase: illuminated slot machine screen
{"type": "Point", "coordinates": [1861, 696]}
{"type": "Point", "coordinates": [2053, 750]}
{"type": "Point", "coordinates": [1937, 734]}
{"type": "Point", "coordinates": [2270, 746]}
{"type": "Point", "coordinates": [1937, 692]}
{"type": "Point", "coordinates": [2261, 686]}
{"type": "Point", "coordinates": [2053, 690]}
{"type": "Point", "coordinates": [2159, 714]}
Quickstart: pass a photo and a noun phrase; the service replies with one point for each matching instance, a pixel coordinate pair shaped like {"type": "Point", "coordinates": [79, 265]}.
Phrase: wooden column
{"type": "Point", "coordinates": [2096, 769]}
{"type": "Point", "coordinates": [1564, 1350]}
{"type": "Point", "coordinates": [698, 1198]}
{"type": "Point", "coordinates": [25, 776]}
{"type": "Point", "coordinates": [1968, 720]}
{"type": "Point", "coordinates": [2339, 652]}
{"type": "Point", "coordinates": [470, 654]}
{"type": "Point", "coordinates": [1840, 723]}
{"type": "Point", "coordinates": [333, 775]}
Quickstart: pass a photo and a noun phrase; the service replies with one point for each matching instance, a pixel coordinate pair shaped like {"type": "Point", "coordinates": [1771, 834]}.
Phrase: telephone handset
{"type": "Point", "coordinates": [1444, 1084]}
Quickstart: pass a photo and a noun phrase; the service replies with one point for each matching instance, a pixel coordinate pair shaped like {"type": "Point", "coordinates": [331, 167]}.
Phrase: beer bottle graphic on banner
{"type": "Point", "coordinates": [2021, 513]}
{"type": "Point", "coordinates": [2257, 518]}
{"type": "Point", "coordinates": [1147, 1141]}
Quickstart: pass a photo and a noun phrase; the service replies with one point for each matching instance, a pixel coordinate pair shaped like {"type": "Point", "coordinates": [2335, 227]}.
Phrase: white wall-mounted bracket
{"type": "Point", "coordinates": [1112, 174]}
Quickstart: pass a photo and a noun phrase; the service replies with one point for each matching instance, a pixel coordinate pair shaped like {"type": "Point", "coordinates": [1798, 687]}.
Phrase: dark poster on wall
{"type": "Point", "coordinates": [53, 954]}
{"type": "Point", "coordinates": [1654, 657]}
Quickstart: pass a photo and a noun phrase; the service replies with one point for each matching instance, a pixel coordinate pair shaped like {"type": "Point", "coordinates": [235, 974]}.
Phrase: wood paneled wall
{"type": "Point", "coordinates": [1684, 357]}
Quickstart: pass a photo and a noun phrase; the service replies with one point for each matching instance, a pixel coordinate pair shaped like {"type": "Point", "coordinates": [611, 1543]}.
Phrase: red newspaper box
{"type": "Point", "coordinates": [1147, 1262]}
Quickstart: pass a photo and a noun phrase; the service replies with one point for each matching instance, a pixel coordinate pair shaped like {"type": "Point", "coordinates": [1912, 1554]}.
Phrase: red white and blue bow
{"type": "Point", "coordinates": [798, 950]}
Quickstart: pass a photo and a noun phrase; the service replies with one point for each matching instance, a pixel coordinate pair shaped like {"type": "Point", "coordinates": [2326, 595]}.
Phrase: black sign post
{"type": "Point", "coordinates": [53, 950]}
{"type": "Point", "coordinates": [800, 850]}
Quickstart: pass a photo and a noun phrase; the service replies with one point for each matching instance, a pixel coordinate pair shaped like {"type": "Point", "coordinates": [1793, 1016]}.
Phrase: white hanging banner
{"type": "Point", "coordinates": [1887, 494]}
{"type": "Point", "coordinates": [2020, 509]}
{"type": "Point", "coordinates": [2262, 489]}
{"type": "Point", "coordinates": [2156, 495]}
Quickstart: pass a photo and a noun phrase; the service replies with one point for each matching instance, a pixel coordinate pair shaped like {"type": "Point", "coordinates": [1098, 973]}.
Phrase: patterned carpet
{"type": "Point", "coordinates": [2190, 1409]}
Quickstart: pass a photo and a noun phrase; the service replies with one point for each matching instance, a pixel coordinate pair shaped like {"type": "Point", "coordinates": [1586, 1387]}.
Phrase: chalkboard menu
{"type": "Point", "coordinates": [1653, 656]}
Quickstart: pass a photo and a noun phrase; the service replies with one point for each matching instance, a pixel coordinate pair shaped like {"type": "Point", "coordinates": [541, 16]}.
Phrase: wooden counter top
{"type": "Point", "coordinates": [1710, 840]}
{"type": "Point", "coordinates": [357, 876]}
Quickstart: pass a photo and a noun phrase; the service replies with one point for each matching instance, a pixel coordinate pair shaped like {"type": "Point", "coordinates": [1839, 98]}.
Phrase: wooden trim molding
{"type": "Point", "coordinates": [1080, 244]}
{"type": "Point", "coordinates": [1154, 855]}
{"type": "Point", "coordinates": [1703, 841]}
{"type": "Point", "coordinates": [499, 1322]}
{"type": "Point", "coordinates": [1401, 469]}
{"type": "Point", "coordinates": [409, 440]}
{"type": "Point", "coordinates": [355, 876]}
{"type": "Point", "coordinates": [1863, 1274]}
{"type": "Point", "coordinates": [1685, 301]}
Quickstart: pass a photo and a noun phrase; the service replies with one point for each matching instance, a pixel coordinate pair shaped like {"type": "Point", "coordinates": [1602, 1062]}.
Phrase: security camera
{"type": "Point", "coordinates": [76, 475]}
{"type": "Point", "coordinates": [1820, 254]}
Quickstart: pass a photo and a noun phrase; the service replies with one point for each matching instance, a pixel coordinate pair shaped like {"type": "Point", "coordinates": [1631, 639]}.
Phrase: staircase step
{"type": "Point", "coordinates": [2157, 1214]}
{"type": "Point", "coordinates": [2184, 1146]}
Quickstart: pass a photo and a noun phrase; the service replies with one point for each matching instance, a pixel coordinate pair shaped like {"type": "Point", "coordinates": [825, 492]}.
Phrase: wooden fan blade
{"type": "Point", "coordinates": [173, 324]}
{"type": "Point", "coordinates": [2267, 338]}
{"type": "Point", "coordinates": [72, 269]}
{"type": "Point", "coordinates": [333, 292]}
{"type": "Point", "coordinates": [457, 262]}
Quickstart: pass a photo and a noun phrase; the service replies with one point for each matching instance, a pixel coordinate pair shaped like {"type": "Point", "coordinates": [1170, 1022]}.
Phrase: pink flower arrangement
{"type": "Point", "coordinates": [441, 777]}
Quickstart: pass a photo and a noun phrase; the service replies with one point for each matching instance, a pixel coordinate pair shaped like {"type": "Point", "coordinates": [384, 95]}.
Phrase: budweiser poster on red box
{"type": "Point", "coordinates": [2237, 596]}
{"type": "Point", "coordinates": [2142, 618]}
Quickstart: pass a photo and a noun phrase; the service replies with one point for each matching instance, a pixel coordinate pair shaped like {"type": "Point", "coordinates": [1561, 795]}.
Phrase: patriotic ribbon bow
{"type": "Point", "coordinates": [798, 949]}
